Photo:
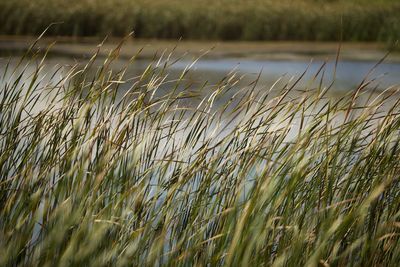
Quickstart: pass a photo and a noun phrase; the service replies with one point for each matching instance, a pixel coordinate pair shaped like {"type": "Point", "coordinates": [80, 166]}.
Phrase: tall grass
{"type": "Point", "coordinates": [355, 20]}
{"type": "Point", "coordinates": [103, 169]}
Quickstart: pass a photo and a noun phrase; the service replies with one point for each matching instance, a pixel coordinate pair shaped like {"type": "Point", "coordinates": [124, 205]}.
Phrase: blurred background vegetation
{"type": "Point", "coordinates": [312, 20]}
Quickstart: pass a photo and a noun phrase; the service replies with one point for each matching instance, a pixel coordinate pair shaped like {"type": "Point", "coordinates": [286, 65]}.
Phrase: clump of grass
{"type": "Point", "coordinates": [104, 169]}
{"type": "Point", "coordinates": [355, 20]}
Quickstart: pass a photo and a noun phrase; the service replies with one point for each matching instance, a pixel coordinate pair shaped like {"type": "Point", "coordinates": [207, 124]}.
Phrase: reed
{"type": "Point", "coordinates": [355, 20]}
{"type": "Point", "coordinates": [102, 169]}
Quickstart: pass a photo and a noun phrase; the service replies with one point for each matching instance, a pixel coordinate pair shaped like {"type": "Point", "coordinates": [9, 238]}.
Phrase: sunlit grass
{"type": "Point", "coordinates": [91, 176]}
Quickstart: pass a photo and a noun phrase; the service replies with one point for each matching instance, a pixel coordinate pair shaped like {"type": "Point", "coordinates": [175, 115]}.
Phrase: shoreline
{"type": "Point", "coordinates": [82, 48]}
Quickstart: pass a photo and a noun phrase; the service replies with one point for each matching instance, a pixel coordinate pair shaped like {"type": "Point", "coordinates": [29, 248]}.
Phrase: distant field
{"type": "Point", "coordinates": [361, 20]}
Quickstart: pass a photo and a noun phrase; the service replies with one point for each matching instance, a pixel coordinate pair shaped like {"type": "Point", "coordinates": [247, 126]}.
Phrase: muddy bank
{"type": "Point", "coordinates": [296, 51]}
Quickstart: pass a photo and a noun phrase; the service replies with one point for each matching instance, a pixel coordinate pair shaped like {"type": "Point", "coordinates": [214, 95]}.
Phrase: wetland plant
{"type": "Point", "coordinates": [98, 168]}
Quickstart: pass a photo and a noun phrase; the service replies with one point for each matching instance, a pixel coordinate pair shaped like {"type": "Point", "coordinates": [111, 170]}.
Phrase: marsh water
{"type": "Point", "coordinates": [348, 75]}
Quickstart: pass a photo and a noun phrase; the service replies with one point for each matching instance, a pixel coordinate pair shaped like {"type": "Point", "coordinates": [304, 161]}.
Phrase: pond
{"type": "Point", "coordinates": [349, 74]}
